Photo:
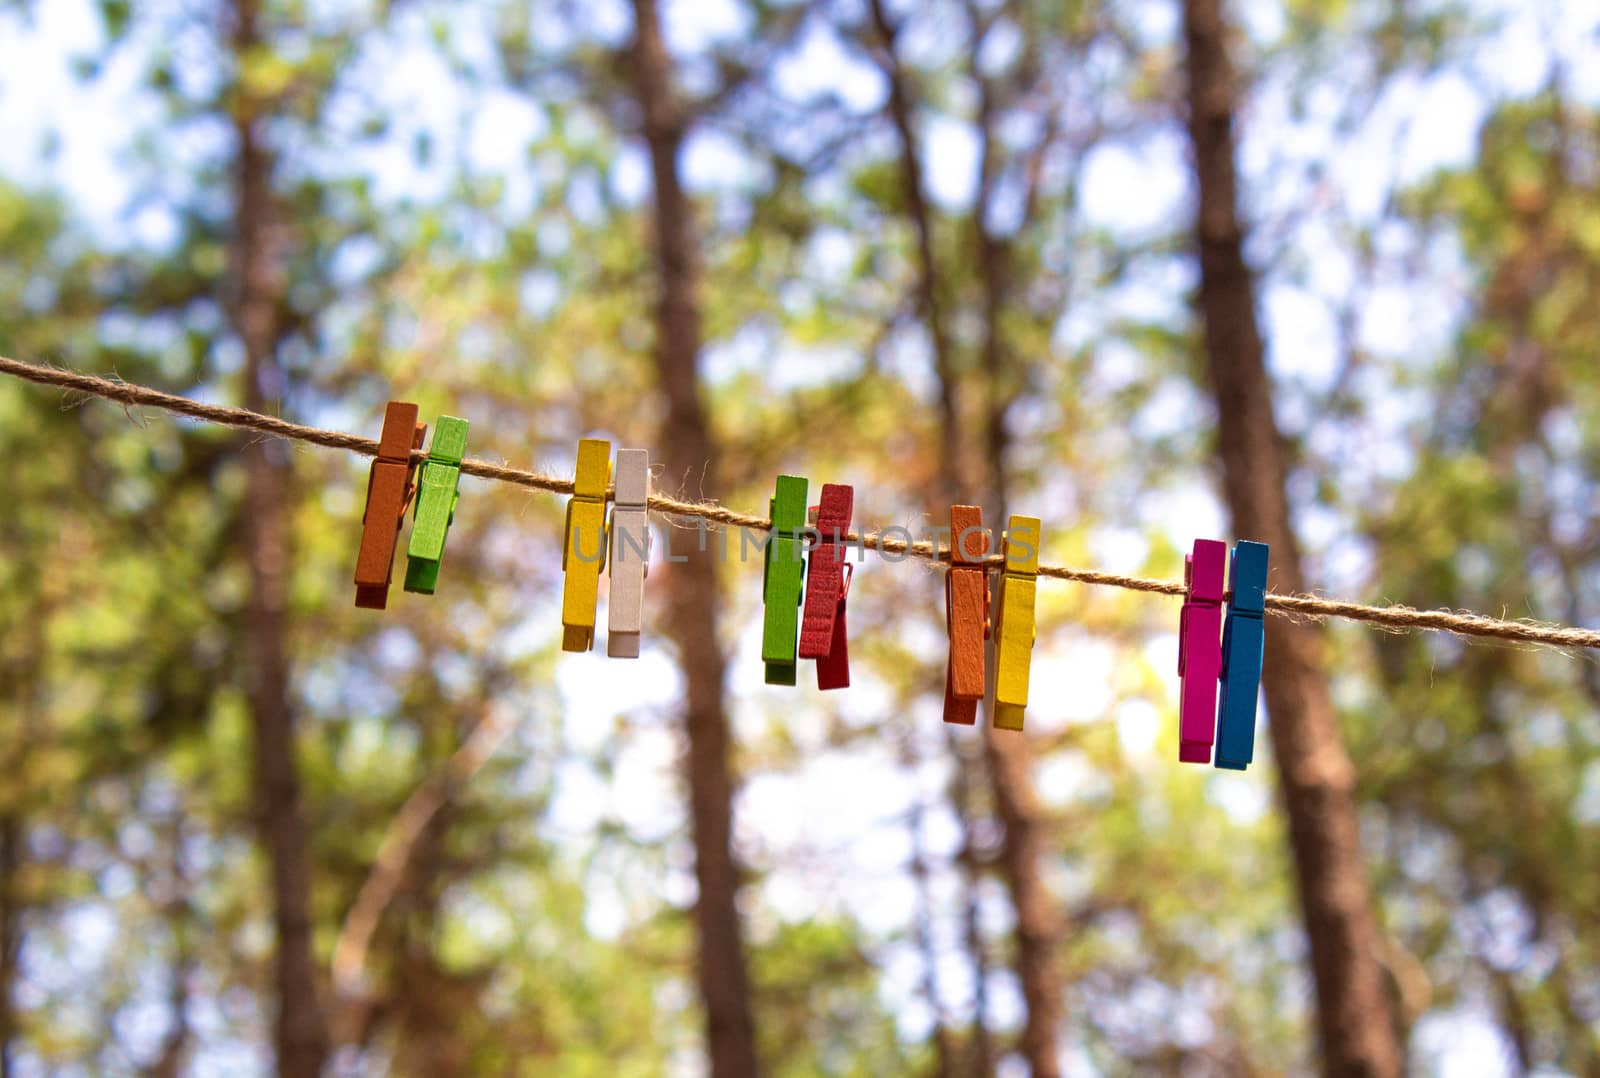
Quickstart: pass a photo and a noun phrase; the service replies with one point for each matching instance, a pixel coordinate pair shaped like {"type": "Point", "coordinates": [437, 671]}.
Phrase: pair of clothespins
{"type": "Point", "coordinates": [392, 484]}
{"type": "Point", "coordinates": [628, 538]}
{"type": "Point", "coordinates": [967, 618]}
{"type": "Point", "coordinates": [788, 591]}
{"type": "Point", "coordinates": [1235, 661]}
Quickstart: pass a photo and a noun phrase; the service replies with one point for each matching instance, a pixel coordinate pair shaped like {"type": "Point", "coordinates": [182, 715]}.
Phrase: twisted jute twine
{"type": "Point", "coordinates": [1309, 607]}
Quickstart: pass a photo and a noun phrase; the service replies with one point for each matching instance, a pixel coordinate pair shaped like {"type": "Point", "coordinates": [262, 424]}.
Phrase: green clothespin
{"type": "Point", "coordinates": [781, 583]}
{"type": "Point", "coordinates": [438, 489]}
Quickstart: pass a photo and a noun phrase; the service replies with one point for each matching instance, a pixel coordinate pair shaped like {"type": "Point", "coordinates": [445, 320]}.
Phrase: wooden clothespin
{"type": "Point", "coordinates": [1013, 648]}
{"type": "Point", "coordinates": [438, 489]}
{"type": "Point", "coordinates": [1243, 643]}
{"type": "Point", "coordinates": [966, 593]}
{"type": "Point", "coordinates": [822, 628]}
{"type": "Point", "coordinates": [630, 553]}
{"type": "Point", "coordinates": [1200, 650]}
{"type": "Point", "coordinates": [389, 491]}
{"type": "Point", "coordinates": [586, 524]}
{"type": "Point", "coordinates": [781, 580]}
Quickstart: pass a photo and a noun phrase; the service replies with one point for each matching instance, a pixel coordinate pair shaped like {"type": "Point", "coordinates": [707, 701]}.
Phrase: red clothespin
{"type": "Point", "coordinates": [1200, 650]}
{"type": "Point", "coordinates": [822, 628]}
{"type": "Point", "coordinates": [390, 486]}
{"type": "Point", "coordinates": [966, 592]}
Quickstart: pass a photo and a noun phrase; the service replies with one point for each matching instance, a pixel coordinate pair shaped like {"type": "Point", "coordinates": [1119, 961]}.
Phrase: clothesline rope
{"type": "Point", "coordinates": [1294, 606]}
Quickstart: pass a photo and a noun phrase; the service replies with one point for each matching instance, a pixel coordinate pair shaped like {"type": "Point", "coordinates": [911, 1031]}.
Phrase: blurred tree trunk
{"type": "Point", "coordinates": [176, 888]}
{"type": "Point", "coordinates": [1355, 1013]}
{"type": "Point", "coordinates": [923, 926]}
{"type": "Point", "coordinates": [20, 666]}
{"type": "Point", "coordinates": [979, 1056]}
{"type": "Point", "coordinates": [969, 763]}
{"type": "Point", "coordinates": [686, 446]}
{"type": "Point", "coordinates": [258, 287]}
{"type": "Point", "coordinates": [972, 470]}
{"type": "Point", "coordinates": [930, 293]}
{"type": "Point", "coordinates": [1022, 849]}
{"type": "Point", "coordinates": [1010, 754]}
{"type": "Point", "coordinates": [11, 859]}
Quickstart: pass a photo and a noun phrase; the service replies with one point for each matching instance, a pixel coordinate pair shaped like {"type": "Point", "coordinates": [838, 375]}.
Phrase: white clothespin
{"type": "Point", "coordinates": [630, 553]}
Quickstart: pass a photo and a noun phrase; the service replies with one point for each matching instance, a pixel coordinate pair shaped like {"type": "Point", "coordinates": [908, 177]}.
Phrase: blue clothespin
{"type": "Point", "coordinates": [1243, 640]}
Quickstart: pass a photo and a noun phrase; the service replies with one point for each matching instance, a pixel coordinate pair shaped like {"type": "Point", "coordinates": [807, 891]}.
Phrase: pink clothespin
{"type": "Point", "coordinates": [1200, 650]}
{"type": "Point", "coordinates": [822, 628]}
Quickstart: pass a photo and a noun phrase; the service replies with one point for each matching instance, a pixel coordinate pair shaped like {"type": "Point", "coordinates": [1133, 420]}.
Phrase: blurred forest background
{"type": "Point", "coordinates": [1318, 273]}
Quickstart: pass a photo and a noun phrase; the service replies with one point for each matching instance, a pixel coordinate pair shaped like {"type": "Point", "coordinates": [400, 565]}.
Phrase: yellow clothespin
{"type": "Point", "coordinates": [1013, 650]}
{"type": "Point", "coordinates": [585, 552]}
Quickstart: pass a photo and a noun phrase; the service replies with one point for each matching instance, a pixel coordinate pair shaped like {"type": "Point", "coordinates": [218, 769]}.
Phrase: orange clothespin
{"type": "Point", "coordinates": [390, 486]}
{"type": "Point", "coordinates": [966, 592]}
